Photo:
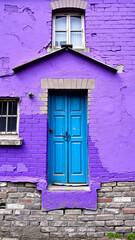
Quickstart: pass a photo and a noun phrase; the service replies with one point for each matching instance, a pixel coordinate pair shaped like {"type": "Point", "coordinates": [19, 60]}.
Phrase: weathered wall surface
{"type": "Point", "coordinates": [26, 28]}
{"type": "Point", "coordinates": [22, 216]}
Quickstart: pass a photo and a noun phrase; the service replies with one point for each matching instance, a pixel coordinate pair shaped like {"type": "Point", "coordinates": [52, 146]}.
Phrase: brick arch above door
{"type": "Point", "coordinates": [51, 83]}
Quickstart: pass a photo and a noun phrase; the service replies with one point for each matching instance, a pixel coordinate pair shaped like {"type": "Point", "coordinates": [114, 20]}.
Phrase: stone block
{"type": "Point", "coordinates": [130, 223]}
{"type": "Point", "coordinates": [112, 194]}
{"type": "Point", "coordinates": [60, 83]}
{"type": "Point", "coordinates": [115, 205]}
{"type": "Point", "coordinates": [9, 238]}
{"type": "Point", "coordinates": [91, 84]}
{"type": "Point", "coordinates": [48, 229]}
{"type": "Point", "coordinates": [3, 195]}
{"type": "Point", "coordinates": [34, 224]}
{"type": "Point", "coordinates": [47, 218]}
{"type": "Point", "coordinates": [95, 235]}
{"type": "Point", "coordinates": [105, 229]}
{"type": "Point", "coordinates": [16, 195]}
{"type": "Point", "coordinates": [121, 189]}
{"type": "Point", "coordinates": [68, 229]}
{"type": "Point", "coordinates": [5, 211]}
{"type": "Point", "coordinates": [122, 199]}
{"type": "Point", "coordinates": [73, 83]}
{"type": "Point", "coordinates": [21, 223]}
{"type": "Point", "coordinates": [104, 217]}
{"type": "Point", "coordinates": [66, 83]}
{"type": "Point", "coordinates": [69, 218]}
{"type": "Point", "coordinates": [33, 206]}
{"type": "Point", "coordinates": [59, 224]}
{"type": "Point", "coordinates": [76, 224]}
{"type": "Point", "coordinates": [104, 200]}
{"type": "Point", "coordinates": [31, 218]}
{"type": "Point", "coordinates": [124, 217]}
{"type": "Point", "coordinates": [105, 189]}
{"type": "Point", "coordinates": [123, 229]}
{"type": "Point", "coordinates": [73, 211]}
{"type": "Point", "coordinates": [78, 235]}
{"type": "Point", "coordinates": [30, 185]}
{"type": "Point", "coordinates": [44, 83]}
{"type": "Point", "coordinates": [125, 184]}
{"type": "Point", "coordinates": [84, 83]}
{"type": "Point", "coordinates": [96, 224]}
{"type": "Point", "coordinates": [3, 184]}
{"type": "Point", "coordinates": [79, 83]}
{"type": "Point", "coordinates": [114, 223]}
{"type": "Point", "coordinates": [90, 212]}
{"type": "Point", "coordinates": [37, 212]}
{"type": "Point", "coordinates": [111, 211]}
{"type": "Point", "coordinates": [44, 224]}
{"type": "Point", "coordinates": [56, 212]}
{"type": "Point", "coordinates": [86, 218]}
{"type": "Point", "coordinates": [15, 206]}
{"type": "Point", "coordinates": [112, 184]}
{"type": "Point", "coordinates": [58, 235]}
{"type": "Point", "coordinates": [55, 81]}
{"type": "Point", "coordinates": [128, 210]}
{"type": "Point", "coordinates": [25, 190]}
{"type": "Point", "coordinates": [26, 200]}
{"type": "Point", "coordinates": [12, 189]}
{"type": "Point", "coordinates": [22, 212]}
{"type": "Point", "coordinates": [101, 205]}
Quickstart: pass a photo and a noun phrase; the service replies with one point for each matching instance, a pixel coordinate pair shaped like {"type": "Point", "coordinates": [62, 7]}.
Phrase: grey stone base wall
{"type": "Point", "coordinates": [22, 216]}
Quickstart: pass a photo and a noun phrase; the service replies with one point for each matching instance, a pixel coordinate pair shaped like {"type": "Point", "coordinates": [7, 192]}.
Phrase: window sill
{"type": "Point", "coordinates": [87, 49]}
{"type": "Point", "coordinates": [10, 141]}
{"type": "Point", "coordinates": [54, 188]}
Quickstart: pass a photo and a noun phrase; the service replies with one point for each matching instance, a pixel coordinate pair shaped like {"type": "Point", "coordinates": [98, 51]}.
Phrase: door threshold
{"type": "Point", "coordinates": [60, 188]}
{"type": "Point", "coordinates": [70, 184]}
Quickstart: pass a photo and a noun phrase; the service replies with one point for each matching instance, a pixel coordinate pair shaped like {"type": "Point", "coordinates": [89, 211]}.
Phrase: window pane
{"type": "Point", "coordinates": [60, 38]}
{"type": "Point", "coordinates": [12, 108]}
{"type": "Point", "coordinates": [2, 124]}
{"type": "Point", "coordinates": [3, 108]}
{"type": "Point", "coordinates": [76, 39]}
{"type": "Point", "coordinates": [76, 23]}
{"type": "Point", "coordinates": [60, 23]}
{"type": "Point", "coordinates": [12, 124]}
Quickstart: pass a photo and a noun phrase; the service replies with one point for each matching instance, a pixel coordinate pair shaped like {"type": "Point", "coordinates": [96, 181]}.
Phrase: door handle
{"type": "Point", "coordinates": [66, 137]}
{"type": "Point", "coordinates": [50, 130]}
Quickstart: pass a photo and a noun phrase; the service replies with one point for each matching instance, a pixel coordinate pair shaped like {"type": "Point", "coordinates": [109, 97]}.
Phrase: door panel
{"type": "Point", "coordinates": [68, 141]}
{"type": "Point", "coordinates": [59, 163]}
{"type": "Point", "coordinates": [76, 165]}
{"type": "Point", "coordinates": [77, 126]}
{"type": "Point", "coordinates": [57, 144]}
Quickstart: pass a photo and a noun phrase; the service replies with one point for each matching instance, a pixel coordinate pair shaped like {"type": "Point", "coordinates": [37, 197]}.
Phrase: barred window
{"type": "Point", "coordinates": [8, 116]}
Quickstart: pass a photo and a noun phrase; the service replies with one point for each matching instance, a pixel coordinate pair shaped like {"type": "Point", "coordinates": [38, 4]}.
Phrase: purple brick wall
{"type": "Point", "coordinates": [26, 28]}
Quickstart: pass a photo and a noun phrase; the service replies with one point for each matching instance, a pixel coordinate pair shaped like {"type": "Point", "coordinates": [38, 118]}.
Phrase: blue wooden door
{"type": "Point", "coordinates": [67, 137]}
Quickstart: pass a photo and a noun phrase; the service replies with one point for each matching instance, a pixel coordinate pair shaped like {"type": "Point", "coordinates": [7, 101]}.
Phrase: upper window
{"type": "Point", "coordinates": [68, 29]}
{"type": "Point", "coordinates": [8, 116]}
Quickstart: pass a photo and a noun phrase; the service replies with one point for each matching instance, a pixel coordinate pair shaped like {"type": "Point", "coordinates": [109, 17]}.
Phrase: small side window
{"type": "Point", "coordinates": [68, 29]}
{"type": "Point", "coordinates": [9, 116]}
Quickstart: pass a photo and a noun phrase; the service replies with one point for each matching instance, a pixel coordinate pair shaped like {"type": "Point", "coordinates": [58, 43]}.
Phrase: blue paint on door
{"type": "Point", "coordinates": [68, 140]}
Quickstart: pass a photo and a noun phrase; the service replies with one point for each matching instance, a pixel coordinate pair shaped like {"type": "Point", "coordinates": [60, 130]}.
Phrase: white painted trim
{"type": "Point", "coordinates": [68, 29]}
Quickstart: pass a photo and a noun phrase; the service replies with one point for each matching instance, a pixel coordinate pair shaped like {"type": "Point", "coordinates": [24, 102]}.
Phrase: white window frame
{"type": "Point", "coordinates": [68, 30]}
{"type": "Point", "coordinates": [15, 133]}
